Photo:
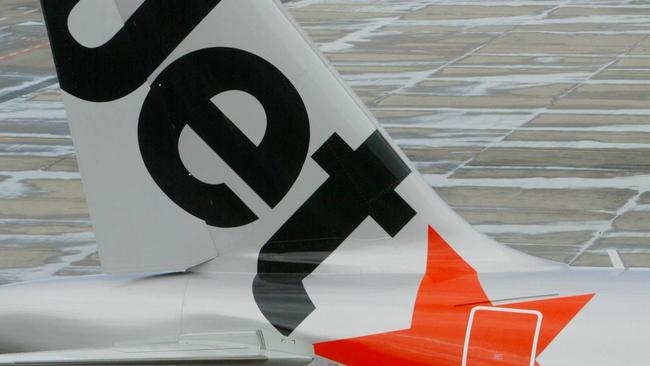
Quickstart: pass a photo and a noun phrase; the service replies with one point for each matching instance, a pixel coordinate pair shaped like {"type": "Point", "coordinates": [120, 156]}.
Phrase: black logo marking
{"type": "Point", "coordinates": [123, 64]}
{"type": "Point", "coordinates": [361, 183]}
{"type": "Point", "coordinates": [181, 95]}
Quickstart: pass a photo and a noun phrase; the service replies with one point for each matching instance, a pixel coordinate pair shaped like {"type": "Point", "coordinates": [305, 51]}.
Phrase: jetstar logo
{"type": "Point", "coordinates": [438, 335]}
{"type": "Point", "coordinates": [361, 181]}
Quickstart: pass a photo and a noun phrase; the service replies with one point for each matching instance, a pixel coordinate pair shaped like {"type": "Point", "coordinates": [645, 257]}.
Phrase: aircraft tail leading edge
{"type": "Point", "coordinates": [213, 131]}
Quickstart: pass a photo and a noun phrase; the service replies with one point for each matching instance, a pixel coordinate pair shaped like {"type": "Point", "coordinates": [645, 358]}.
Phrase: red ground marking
{"type": "Point", "coordinates": [24, 51]}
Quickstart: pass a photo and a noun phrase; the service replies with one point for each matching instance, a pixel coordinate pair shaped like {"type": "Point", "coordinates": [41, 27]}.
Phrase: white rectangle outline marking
{"type": "Point", "coordinates": [503, 310]}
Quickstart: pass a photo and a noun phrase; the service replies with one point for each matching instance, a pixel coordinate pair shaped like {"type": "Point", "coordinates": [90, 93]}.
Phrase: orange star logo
{"type": "Point", "coordinates": [454, 323]}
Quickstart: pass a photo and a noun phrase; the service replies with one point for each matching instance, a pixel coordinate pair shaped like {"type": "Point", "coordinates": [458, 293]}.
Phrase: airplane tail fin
{"type": "Point", "coordinates": [213, 131]}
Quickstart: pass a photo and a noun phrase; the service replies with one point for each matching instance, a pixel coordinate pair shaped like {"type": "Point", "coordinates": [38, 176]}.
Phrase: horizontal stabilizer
{"type": "Point", "coordinates": [224, 349]}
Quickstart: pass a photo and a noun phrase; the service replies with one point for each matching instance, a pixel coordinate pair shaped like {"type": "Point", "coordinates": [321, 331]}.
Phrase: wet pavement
{"type": "Point", "coordinates": [530, 118]}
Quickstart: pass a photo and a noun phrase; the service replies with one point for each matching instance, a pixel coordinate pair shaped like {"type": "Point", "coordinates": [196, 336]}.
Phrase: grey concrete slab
{"type": "Point", "coordinates": [541, 199]}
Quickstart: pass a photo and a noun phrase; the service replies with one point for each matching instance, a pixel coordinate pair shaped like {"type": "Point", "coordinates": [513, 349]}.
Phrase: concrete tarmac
{"type": "Point", "coordinates": [530, 118]}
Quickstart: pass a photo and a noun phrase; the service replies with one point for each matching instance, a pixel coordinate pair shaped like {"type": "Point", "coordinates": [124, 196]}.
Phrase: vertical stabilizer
{"type": "Point", "coordinates": [213, 129]}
